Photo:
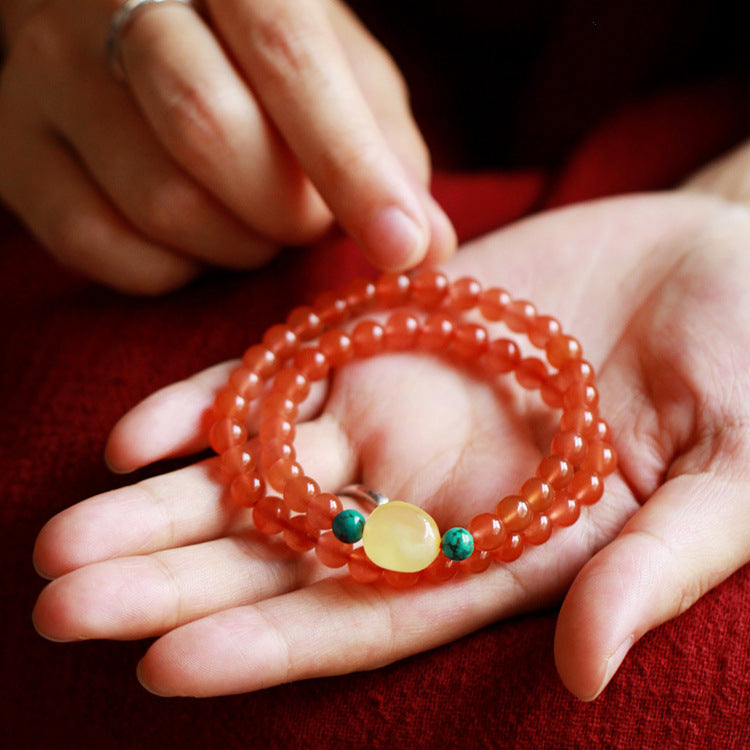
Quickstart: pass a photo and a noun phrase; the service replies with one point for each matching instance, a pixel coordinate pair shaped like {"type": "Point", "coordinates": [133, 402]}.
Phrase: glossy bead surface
{"type": "Point", "coordinates": [457, 543]}
{"type": "Point", "coordinates": [270, 515]}
{"type": "Point", "coordinates": [437, 332]}
{"type": "Point", "coordinates": [281, 340]}
{"type": "Point", "coordinates": [586, 488]}
{"type": "Point", "coordinates": [510, 550]}
{"type": "Point", "coordinates": [368, 338]}
{"type": "Point", "coordinates": [401, 537]}
{"type": "Point", "coordinates": [312, 363]}
{"type": "Point", "coordinates": [493, 303]}
{"type": "Point", "coordinates": [519, 315]}
{"type": "Point", "coordinates": [362, 569]}
{"type": "Point", "coordinates": [514, 512]}
{"type": "Point", "coordinates": [428, 288]}
{"type": "Point", "coordinates": [246, 489]}
{"type": "Point", "coordinates": [298, 493]}
{"type": "Point", "coordinates": [556, 470]}
{"type": "Point", "coordinates": [542, 329]}
{"type": "Point", "coordinates": [470, 340]}
{"type": "Point", "coordinates": [502, 355]}
{"type": "Point", "coordinates": [463, 294]}
{"type": "Point", "coordinates": [531, 373]}
{"type": "Point", "coordinates": [298, 535]}
{"type": "Point", "coordinates": [225, 433]}
{"type": "Point", "coordinates": [230, 404]}
{"type": "Point", "coordinates": [337, 347]}
{"type": "Point", "coordinates": [401, 331]}
{"type": "Point", "coordinates": [600, 458]}
{"type": "Point", "coordinates": [393, 289]}
{"type": "Point", "coordinates": [322, 509]}
{"type": "Point", "coordinates": [487, 531]}
{"type": "Point", "coordinates": [564, 511]}
{"type": "Point", "coordinates": [571, 445]}
{"type": "Point", "coordinates": [561, 349]}
{"type": "Point", "coordinates": [348, 526]}
{"type": "Point", "coordinates": [261, 360]}
{"type": "Point", "coordinates": [305, 323]}
{"type": "Point", "coordinates": [331, 552]}
{"type": "Point", "coordinates": [538, 531]}
{"type": "Point", "coordinates": [538, 494]}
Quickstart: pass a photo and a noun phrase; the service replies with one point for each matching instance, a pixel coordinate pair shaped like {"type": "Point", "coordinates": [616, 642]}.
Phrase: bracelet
{"type": "Point", "coordinates": [399, 542]}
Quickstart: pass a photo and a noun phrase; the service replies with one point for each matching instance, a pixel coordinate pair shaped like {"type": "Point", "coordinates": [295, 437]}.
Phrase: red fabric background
{"type": "Point", "coordinates": [75, 357]}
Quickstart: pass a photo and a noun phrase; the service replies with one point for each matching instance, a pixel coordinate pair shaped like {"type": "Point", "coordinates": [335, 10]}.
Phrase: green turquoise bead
{"type": "Point", "coordinates": [458, 543]}
{"type": "Point", "coordinates": [348, 526]}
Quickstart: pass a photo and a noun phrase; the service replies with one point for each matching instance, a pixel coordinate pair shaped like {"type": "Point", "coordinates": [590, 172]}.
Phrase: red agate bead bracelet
{"type": "Point", "coordinates": [400, 542]}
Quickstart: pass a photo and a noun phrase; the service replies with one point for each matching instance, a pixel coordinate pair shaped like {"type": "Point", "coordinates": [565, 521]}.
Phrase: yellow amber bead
{"type": "Point", "coordinates": [401, 537]}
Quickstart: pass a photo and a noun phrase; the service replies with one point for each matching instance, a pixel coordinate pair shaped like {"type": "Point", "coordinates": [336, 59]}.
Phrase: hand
{"type": "Point", "coordinates": [654, 287]}
{"type": "Point", "coordinates": [250, 127]}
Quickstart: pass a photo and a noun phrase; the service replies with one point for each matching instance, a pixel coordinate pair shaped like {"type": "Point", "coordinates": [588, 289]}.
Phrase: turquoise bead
{"type": "Point", "coordinates": [458, 543]}
{"type": "Point", "coordinates": [348, 526]}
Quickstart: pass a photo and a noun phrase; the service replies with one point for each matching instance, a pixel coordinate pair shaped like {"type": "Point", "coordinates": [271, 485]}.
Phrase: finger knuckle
{"type": "Point", "coordinates": [166, 210]}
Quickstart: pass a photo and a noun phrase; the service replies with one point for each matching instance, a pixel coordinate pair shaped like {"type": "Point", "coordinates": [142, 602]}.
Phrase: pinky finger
{"type": "Point", "coordinates": [53, 195]}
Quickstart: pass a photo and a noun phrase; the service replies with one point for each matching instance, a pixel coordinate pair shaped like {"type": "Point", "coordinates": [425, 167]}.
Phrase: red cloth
{"type": "Point", "coordinates": [75, 357]}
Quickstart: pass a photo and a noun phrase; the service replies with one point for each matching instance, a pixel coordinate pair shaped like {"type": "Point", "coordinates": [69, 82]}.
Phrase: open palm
{"type": "Point", "coordinates": [653, 286]}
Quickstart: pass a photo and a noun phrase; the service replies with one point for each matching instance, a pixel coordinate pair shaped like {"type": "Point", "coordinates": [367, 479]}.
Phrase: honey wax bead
{"type": "Point", "coordinates": [538, 531]}
{"type": "Point", "coordinates": [246, 489]}
{"type": "Point", "coordinates": [247, 382]}
{"type": "Point", "coordinates": [600, 458]}
{"type": "Point", "coordinates": [586, 488]}
{"type": "Point", "coordinates": [510, 550]}
{"type": "Point", "coordinates": [312, 363]}
{"type": "Point", "coordinates": [493, 303]}
{"type": "Point", "coordinates": [400, 580]}
{"type": "Point", "coordinates": [402, 537]}
{"type": "Point", "coordinates": [429, 287]}
{"type": "Point", "coordinates": [478, 562]}
{"type": "Point", "coordinates": [488, 531]}
{"type": "Point", "coordinates": [331, 552]}
{"type": "Point", "coordinates": [281, 472]}
{"type": "Point", "coordinates": [331, 309]}
{"type": "Point", "coordinates": [229, 403]}
{"type": "Point", "coordinates": [298, 493]}
{"type": "Point", "coordinates": [337, 347]}
{"type": "Point", "coordinates": [279, 427]}
{"type": "Point", "coordinates": [463, 294]}
{"type": "Point", "coordinates": [401, 331]}
{"type": "Point", "coordinates": [236, 460]}
{"type": "Point", "coordinates": [556, 470]}
{"type": "Point", "coordinates": [276, 450]}
{"type": "Point", "coordinates": [305, 323]}
{"type": "Point", "coordinates": [561, 349]}
{"type": "Point", "coordinates": [368, 338]}
{"type": "Point", "coordinates": [502, 355]}
{"type": "Point", "coordinates": [270, 515]}
{"type": "Point", "coordinates": [580, 395]}
{"type": "Point", "coordinates": [292, 383]}
{"type": "Point", "coordinates": [470, 340]}
{"type": "Point", "coordinates": [322, 509]}
{"type": "Point", "coordinates": [261, 360]}
{"type": "Point", "coordinates": [519, 315]}
{"type": "Point", "coordinates": [225, 433]}
{"type": "Point", "coordinates": [571, 445]}
{"type": "Point", "coordinates": [542, 329]}
{"type": "Point", "coordinates": [361, 569]}
{"type": "Point", "coordinates": [298, 535]}
{"type": "Point", "coordinates": [538, 494]}
{"type": "Point", "coordinates": [441, 570]}
{"type": "Point", "coordinates": [359, 295]}
{"type": "Point", "coordinates": [580, 420]}
{"type": "Point", "coordinates": [281, 340]}
{"type": "Point", "coordinates": [514, 513]}
{"type": "Point", "coordinates": [437, 332]}
{"type": "Point", "coordinates": [531, 373]}
{"type": "Point", "coordinates": [564, 511]}
{"type": "Point", "coordinates": [393, 289]}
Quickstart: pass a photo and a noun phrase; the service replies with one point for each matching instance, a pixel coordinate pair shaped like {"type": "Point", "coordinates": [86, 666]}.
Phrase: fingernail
{"type": "Point", "coordinates": [613, 664]}
{"type": "Point", "coordinates": [443, 239]}
{"type": "Point", "coordinates": [146, 686]}
{"type": "Point", "coordinates": [394, 241]}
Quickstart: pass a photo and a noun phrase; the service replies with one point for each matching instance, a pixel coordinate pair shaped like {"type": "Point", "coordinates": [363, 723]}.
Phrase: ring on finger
{"type": "Point", "coordinates": [119, 23]}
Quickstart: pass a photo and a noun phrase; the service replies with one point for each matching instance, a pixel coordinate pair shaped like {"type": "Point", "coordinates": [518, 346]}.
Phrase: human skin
{"type": "Point", "coordinates": [655, 288]}
{"type": "Point", "coordinates": [248, 127]}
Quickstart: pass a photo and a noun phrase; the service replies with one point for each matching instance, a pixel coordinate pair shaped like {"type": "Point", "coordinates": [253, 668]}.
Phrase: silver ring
{"type": "Point", "coordinates": [121, 19]}
{"type": "Point", "coordinates": [364, 494]}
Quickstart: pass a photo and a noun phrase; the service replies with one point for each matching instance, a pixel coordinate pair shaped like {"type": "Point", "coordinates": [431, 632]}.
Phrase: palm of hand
{"type": "Point", "coordinates": [653, 288]}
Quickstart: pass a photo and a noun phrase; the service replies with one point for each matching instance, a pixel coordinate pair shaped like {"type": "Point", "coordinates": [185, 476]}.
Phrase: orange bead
{"type": "Point", "coordinates": [502, 356]}
{"type": "Point", "coordinates": [276, 450]}
{"type": "Point", "coordinates": [477, 562]}
{"type": "Point", "coordinates": [305, 323]}
{"type": "Point", "coordinates": [298, 535]}
{"type": "Point", "coordinates": [571, 445]}
{"type": "Point", "coordinates": [279, 427]}
{"type": "Point", "coordinates": [229, 403]}
{"type": "Point", "coordinates": [392, 289]}
{"type": "Point", "coordinates": [331, 552]}
{"type": "Point", "coordinates": [362, 569]}
{"type": "Point", "coordinates": [493, 303]}
{"type": "Point", "coordinates": [368, 338]}
{"type": "Point", "coordinates": [574, 371]}
{"type": "Point", "coordinates": [331, 309]}
{"type": "Point", "coordinates": [580, 395]}
{"type": "Point", "coordinates": [225, 433]}
{"type": "Point", "coordinates": [586, 488]}
{"type": "Point", "coordinates": [562, 349]}
{"type": "Point", "coordinates": [470, 340]}
{"type": "Point", "coordinates": [538, 531]}
{"type": "Point", "coordinates": [580, 419]}
{"type": "Point", "coordinates": [600, 432]}
{"type": "Point", "coordinates": [510, 550]}
{"type": "Point", "coordinates": [281, 472]}
{"type": "Point", "coordinates": [538, 494]}
{"type": "Point", "coordinates": [292, 384]}
{"type": "Point", "coordinates": [550, 394]}
{"type": "Point", "coordinates": [236, 460]}
{"type": "Point", "coordinates": [519, 315]}
{"type": "Point", "coordinates": [261, 360]}
{"type": "Point", "coordinates": [556, 470]}
{"type": "Point", "coordinates": [442, 569]}
{"type": "Point", "coordinates": [542, 329]}
{"type": "Point", "coordinates": [437, 332]}
{"type": "Point", "coordinates": [564, 511]}
{"type": "Point", "coordinates": [247, 382]}
{"type": "Point", "coordinates": [488, 531]}
{"type": "Point", "coordinates": [299, 491]}
{"type": "Point", "coordinates": [401, 580]}
{"type": "Point", "coordinates": [337, 347]}
{"type": "Point", "coordinates": [401, 331]}
{"type": "Point", "coordinates": [312, 363]}
{"type": "Point", "coordinates": [601, 458]}
{"type": "Point", "coordinates": [531, 373]}
{"type": "Point", "coordinates": [359, 295]}
{"type": "Point", "coordinates": [281, 340]}
{"type": "Point", "coordinates": [429, 287]}
{"type": "Point", "coordinates": [322, 509]}
{"type": "Point", "coordinates": [270, 515]}
{"type": "Point", "coordinates": [463, 294]}
{"type": "Point", "coordinates": [278, 404]}
{"type": "Point", "coordinates": [514, 513]}
{"type": "Point", "coordinates": [246, 489]}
